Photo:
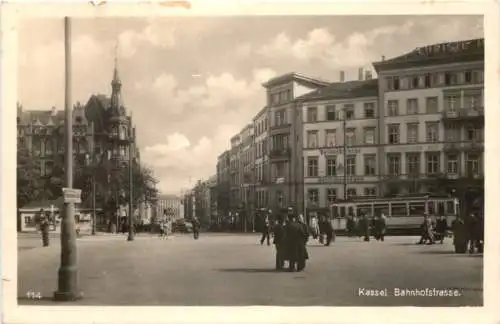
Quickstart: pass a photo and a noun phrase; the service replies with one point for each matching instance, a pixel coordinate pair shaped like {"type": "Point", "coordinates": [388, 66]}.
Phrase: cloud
{"type": "Point", "coordinates": [154, 34]}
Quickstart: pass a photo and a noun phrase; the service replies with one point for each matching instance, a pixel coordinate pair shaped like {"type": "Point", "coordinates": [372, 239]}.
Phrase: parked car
{"type": "Point", "coordinates": [182, 226]}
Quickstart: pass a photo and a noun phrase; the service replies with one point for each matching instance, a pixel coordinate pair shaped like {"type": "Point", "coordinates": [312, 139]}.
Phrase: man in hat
{"type": "Point", "coordinates": [279, 243]}
{"type": "Point", "coordinates": [365, 227]}
{"type": "Point", "coordinates": [295, 243]}
{"type": "Point", "coordinates": [44, 227]}
{"type": "Point", "coordinates": [266, 229]}
{"type": "Point", "coordinates": [427, 231]}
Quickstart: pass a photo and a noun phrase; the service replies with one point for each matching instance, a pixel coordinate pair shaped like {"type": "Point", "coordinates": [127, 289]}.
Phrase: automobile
{"type": "Point", "coordinates": [182, 226]}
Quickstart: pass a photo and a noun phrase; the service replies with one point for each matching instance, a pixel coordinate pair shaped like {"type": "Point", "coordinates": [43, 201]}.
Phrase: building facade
{"type": "Point", "coordinates": [285, 137]}
{"type": "Point", "coordinates": [432, 122]}
{"type": "Point", "coordinates": [169, 206]}
{"type": "Point", "coordinates": [223, 188]}
{"type": "Point", "coordinates": [261, 162]}
{"type": "Point", "coordinates": [339, 143]}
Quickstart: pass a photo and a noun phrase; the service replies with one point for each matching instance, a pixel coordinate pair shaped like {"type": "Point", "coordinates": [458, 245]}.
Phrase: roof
{"type": "Point", "coordinates": [343, 90]}
{"type": "Point", "coordinates": [294, 76]}
{"type": "Point", "coordinates": [260, 113]}
{"type": "Point", "coordinates": [442, 53]}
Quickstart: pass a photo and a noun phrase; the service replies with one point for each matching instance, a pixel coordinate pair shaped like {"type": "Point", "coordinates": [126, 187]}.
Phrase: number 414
{"type": "Point", "coordinates": [33, 295]}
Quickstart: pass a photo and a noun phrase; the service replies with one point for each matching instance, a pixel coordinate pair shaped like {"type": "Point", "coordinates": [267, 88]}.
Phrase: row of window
{"type": "Point", "coordinates": [331, 194]}
{"type": "Point", "coordinates": [332, 114]}
{"type": "Point", "coordinates": [413, 165]}
{"type": "Point", "coordinates": [260, 127]}
{"type": "Point", "coordinates": [451, 104]}
{"type": "Point", "coordinates": [437, 79]}
{"type": "Point", "coordinates": [453, 133]}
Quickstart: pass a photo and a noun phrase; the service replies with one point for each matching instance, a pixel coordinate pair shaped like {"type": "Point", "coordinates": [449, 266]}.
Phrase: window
{"type": "Point", "coordinates": [370, 191]}
{"type": "Point", "coordinates": [350, 134]}
{"type": "Point", "coordinates": [49, 147]}
{"type": "Point", "coordinates": [413, 164]}
{"type": "Point", "coordinates": [472, 102]}
{"type": "Point", "coordinates": [432, 163]}
{"type": "Point", "coordinates": [427, 81]}
{"type": "Point", "coordinates": [351, 165]}
{"type": "Point", "coordinates": [281, 198]}
{"type": "Point", "coordinates": [432, 132]}
{"type": "Point", "coordinates": [473, 134]}
{"type": "Point", "coordinates": [394, 163]}
{"type": "Point", "coordinates": [412, 106]}
{"type": "Point", "coordinates": [349, 111]}
{"type": "Point", "coordinates": [390, 83]}
{"type": "Point", "coordinates": [331, 195]}
{"type": "Point", "coordinates": [312, 167]}
{"type": "Point", "coordinates": [331, 114]}
{"type": "Point", "coordinates": [467, 77]}
{"type": "Point", "coordinates": [331, 166]}
{"type": "Point", "coordinates": [48, 168]}
{"type": "Point", "coordinates": [431, 105]}
{"type": "Point", "coordinates": [412, 133]}
{"type": "Point", "coordinates": [275, 99]}
{"type": "Point", "coordinates": [393, 131]}
{"type": "Point", "coordinates": [312, 139]}
{"type": "Point", "coordinates": [473, 165]}
{"type": "Point", "coordinates": [451, 104]}
{"type": "Point", "coordinates": [330, 138]}
{"type": "Point", "coordinates": [477, 77]}
{"type": "Point", "coordinates": [450, 78]}
{"type": "Point", "coordinates": [369, 161]}
{"type": "Point", "coordinates": [369, 108]}
{"type": "Point", "coordinates": [312, 114]}
{"type": "Point", "coordinates": [395, 83]}
{"type": "Point", "coordinates": [452, 133]}
{"type": "Point", "coordinates": [351, 193]}
{"type": "Point", "coordinates": [370, 135]}
{"type": "Point", "coordinates": [392, 108]}
{"type": "Point", "coordinates": [414, 82]}
{"type": "Point", "coordinates": [452, 164]}
{"type": "Point", "coordinates": [279, 118]}
{"type": "Point", "coordinates": [313, 196]}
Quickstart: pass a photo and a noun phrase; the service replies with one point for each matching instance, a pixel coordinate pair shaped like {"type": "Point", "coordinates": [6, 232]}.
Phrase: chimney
{"type": "Point", "coordinates": [360, 74]}
{"type": "Point", "coordinates": [342, 76]}
{"type": "Point", "coordinates": [383, 58]}
{"type": "Point", "coordinates": [368, 75]}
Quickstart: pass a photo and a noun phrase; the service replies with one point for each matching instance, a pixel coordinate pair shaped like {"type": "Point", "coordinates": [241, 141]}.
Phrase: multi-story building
{"type": "Point", "coordinates": [285, 149]}
{"type": "Point", "coordinates": [212, 190]}
{"type": "Point", "coordinates": [339, 142]}
{"type": "Point", "coordinates": [247, 161]}
{"type": "Point", "coordinates": [223, 185]}
{"type": "Point", "coordinates": [432, 122]}
{"type": "Point", "coordinates": [169, 206]}
{"type": "Point", "coordinates": [102, 133]}
{"type": "Point", "coordinates": [189, 204]}
{"type": "Point", "coordinates": [261, 162]}
{"type": "Point", "coordinates": [235, 174]}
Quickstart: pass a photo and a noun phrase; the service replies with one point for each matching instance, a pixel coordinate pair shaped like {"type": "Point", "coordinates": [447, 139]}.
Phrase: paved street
{"type": "Point", "coordinates": [225, 269]}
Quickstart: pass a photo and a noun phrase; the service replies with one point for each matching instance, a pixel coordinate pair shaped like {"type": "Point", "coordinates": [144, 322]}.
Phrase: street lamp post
{"type": "Point", "coordinates": [345, 151]}
{"type": "Point", "coordinates": [67, 289]}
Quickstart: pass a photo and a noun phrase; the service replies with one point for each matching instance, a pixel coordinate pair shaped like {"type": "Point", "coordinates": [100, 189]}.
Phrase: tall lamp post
{"type": "Point", "coordinates": [344, 129]}
{"type": "Point", "coordinates": [131, 191]}
{"type": "Point", "coordinates": [67, 289]}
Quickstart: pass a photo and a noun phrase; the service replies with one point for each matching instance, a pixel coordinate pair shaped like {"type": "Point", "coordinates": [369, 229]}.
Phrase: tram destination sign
{"type": "Point", "coordinates": [72, 195]}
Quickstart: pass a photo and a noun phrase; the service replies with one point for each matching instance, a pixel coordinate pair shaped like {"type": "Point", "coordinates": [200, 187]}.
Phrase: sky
{"type": "Point", "coordinates": [191, 83]}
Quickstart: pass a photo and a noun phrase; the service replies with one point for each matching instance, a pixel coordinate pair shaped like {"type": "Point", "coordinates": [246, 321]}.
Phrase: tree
{"type": "Point", "coordinates": [30, 185]}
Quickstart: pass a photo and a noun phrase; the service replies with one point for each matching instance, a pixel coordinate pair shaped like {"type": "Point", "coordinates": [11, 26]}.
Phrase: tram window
{"type": "Point", "coordinates": [335, 212]}
{"type": "Point", "coordinates": [398, 209]}
{"type": "Point", "coordinates": [350, 210]}
{"type": "Point", "coordinates": [382, 208]}
{"type": "Point", "coordinates": [450, 207]}
{"type": "Point", "coordinates": [441, 208]}
{"type": "Point", "coordinates": [342, 211]}
{"type": "Point", "coordinates": [417, 208]}
{"type": "Point", "coordinates": [364, 209]}
{"type": "Point", "coordinates": [431, 207]}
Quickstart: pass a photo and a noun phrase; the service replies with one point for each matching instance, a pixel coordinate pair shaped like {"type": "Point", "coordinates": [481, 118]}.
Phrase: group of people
{"type": "Point", "coordinates": [322, 229]}
{"type": "Point", "coordinates": [363, 226]}
{"type": "Point", "coordinates": [166, 227]}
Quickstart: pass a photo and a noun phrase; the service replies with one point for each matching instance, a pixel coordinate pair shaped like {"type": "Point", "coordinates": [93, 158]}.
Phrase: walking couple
{"type": "Point", "coordinates": [290, 240]}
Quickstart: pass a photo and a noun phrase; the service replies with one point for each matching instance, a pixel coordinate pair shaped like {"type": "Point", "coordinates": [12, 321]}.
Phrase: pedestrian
{"type": "Point", "coordinates": [266, 228]}
{"type": "Point", "coordinates": [162, 230]}
{"type": "Point", "coordinates": [279, 243]}
{"type": "Point", "coordinates": [350, 226]}
{"type": "Point", "coordinates": [364, 227]}
{"type": "Point", "coordinates": [441, 228]}
{"type": "Point", "coordinates": [382, 226]}
{"type": "Point", "coordinates": [314, 226]}
{"type": "Point", "coordinates": [196, 228]}
{"type": "Point", "coordinates": [473, 228]}
{"type": "Point", "coordinates": [295, 244]}
{"type": "Point", "coordinates": [328, 227]}
{"type": "Point", "coordinates": [427, 231]}
{"type": "Point", "coordinates": [44, 228]}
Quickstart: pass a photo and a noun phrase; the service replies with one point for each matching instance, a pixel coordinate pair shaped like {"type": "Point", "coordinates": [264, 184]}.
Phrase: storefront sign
{"type": "Point", "coordinates": [413, 148]}
{"type": "Point", "coordinates": [340, 179]}
{"type": "Point", "coordinates": [339, 150]}
{"type": "Point", "coordinates": [449, 48]}
{"type": "Point", "coordinates": [72, 195]}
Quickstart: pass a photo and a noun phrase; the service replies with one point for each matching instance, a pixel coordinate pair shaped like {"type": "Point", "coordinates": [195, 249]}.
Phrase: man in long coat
{"type": "Point", "coordinates": [364, 227]}
{"type": "Point", "coordinates": [295, 244]}
{"type": "Point", "coordinates": [279, 243]}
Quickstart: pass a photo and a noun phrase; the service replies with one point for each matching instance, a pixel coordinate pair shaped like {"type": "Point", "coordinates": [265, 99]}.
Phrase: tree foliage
{"type": "Point", "coordinates": [30, 186]}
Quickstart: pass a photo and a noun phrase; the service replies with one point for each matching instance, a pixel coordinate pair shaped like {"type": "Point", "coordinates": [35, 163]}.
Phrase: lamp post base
{"type": "Point", "coordinates": [130, 238]}
{"type": "Point", "coordinates": [62, 296]}
{"type": "Point", "coordinates": [68, 285]}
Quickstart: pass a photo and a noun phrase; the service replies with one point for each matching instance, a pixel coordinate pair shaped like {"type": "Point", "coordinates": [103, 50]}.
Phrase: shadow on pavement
{"type": "Point", "coordinates": [250, 270]}
{"type": "Point", "coordinates": [438, 252]}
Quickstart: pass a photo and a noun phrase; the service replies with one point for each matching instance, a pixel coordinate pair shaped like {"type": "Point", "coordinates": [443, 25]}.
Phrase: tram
{"type": "Point", "coordinates": [404, 213]}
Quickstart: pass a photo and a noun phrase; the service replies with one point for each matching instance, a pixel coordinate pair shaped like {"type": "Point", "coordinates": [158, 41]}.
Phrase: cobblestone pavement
{"type": "Point", "coordinates": [236, 270]}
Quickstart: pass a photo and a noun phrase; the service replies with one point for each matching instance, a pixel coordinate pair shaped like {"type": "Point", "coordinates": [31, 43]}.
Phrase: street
{"type": "Point", "coordinates": [235, 270]}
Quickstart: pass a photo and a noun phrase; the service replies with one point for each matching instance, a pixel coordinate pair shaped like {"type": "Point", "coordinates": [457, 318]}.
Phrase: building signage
{"type": "Point", "coordinates": [340, 179]}
{"type": "Point", "coordinates": [339, 150]}
{"type": "Point", "coordinates": [72, 195]}
{"type": "Point", "coordinates": [413, 148]}
{"type": "Point", "coordinates": [450, 48]}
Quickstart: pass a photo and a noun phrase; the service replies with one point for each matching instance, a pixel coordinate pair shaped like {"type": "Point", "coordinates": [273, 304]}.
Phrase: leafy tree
{"type": "Point", "coordinates": [30, 185]}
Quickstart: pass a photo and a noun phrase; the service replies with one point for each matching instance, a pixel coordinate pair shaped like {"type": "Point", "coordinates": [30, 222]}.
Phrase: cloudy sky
{"type": "Point", "coordinates": [192, 83]}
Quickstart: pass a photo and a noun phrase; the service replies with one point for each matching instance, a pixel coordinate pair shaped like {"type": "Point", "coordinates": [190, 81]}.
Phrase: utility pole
{"type": "Point", "coordinates": [93, 160]}
{"type": "Point", "coordinates": [131, 190]}
{"type": "Point", "coordinates": [344, 121]}
{"type": "Point", "coordinates": [68, 272]}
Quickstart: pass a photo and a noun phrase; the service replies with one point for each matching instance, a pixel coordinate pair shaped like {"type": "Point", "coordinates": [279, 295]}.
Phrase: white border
{"type": "Point", "coordinates": [71, 314]}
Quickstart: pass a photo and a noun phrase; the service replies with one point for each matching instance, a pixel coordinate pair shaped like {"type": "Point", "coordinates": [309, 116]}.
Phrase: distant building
{"type": "Point", "coordinates": [169, 205]}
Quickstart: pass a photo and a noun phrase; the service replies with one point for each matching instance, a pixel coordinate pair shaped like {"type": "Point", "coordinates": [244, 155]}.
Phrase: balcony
{"type": "Point", "coordinates": [474, 146]}
{"type": "Point", "coordinates": [451, 147]}
{"type": "Point", "coordinates": [279, 154]}
{"type": "Point", "coordinates": [464, 114]}
{"type": "Point", "coordinates": [280, 129]}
